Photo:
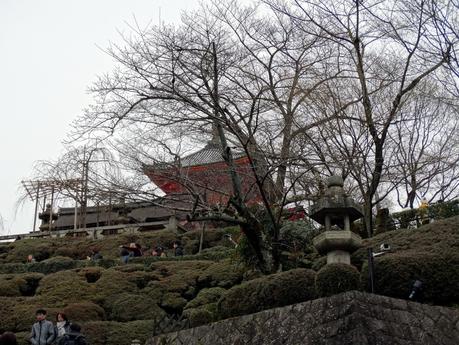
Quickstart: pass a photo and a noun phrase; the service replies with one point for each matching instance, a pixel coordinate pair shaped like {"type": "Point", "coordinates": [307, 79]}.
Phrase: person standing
{"type": "Point", "coordinates": [74, 337]}
{"type": "Point", "coordinates": [178, 249]}
{"type": "Point", "coordinates": [124, 255]}
{"type": "Point", "coordinates": [42, 330]}
{"type": "Point", "coordinates": [62, 326]}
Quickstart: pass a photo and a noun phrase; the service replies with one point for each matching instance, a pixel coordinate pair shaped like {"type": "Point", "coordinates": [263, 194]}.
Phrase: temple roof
{"type": "Point", "coordinates": [211, 153]}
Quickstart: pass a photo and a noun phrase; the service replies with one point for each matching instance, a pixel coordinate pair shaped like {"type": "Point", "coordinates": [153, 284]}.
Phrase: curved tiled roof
{"type": "Point", "coordinates": [211, 153]}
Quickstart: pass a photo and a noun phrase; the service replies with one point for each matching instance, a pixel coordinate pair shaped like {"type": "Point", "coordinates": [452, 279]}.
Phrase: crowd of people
{"type": "Point", "coordinates": [44, 332]}
{"type": "Point", "coordinates": [135, 250]}
{"type": "Point", "coordinates": [64, 332]}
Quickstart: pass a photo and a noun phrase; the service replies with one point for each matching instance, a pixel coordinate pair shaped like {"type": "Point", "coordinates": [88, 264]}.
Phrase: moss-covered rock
{"type": "Point", "coordinates": [275, 290]}
{"type": "Point", "coordinates": [336, 278]}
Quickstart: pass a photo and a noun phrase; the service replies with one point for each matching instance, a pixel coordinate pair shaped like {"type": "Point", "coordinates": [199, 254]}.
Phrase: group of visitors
{"type": "Point", "coordinates": [64, 332]}
{"type": "Point", "coordinates": [135, 250]}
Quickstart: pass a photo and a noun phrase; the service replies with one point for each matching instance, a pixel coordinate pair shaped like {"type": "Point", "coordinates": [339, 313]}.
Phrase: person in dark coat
{"type": "Point", "coordinates": [62, 326]}
{"type": "Point", "coordinates": [124, 255]}
{"type": "Point", "coordinates": [74, 337]}
{"type": "Point", "coordinates": [178, 249]}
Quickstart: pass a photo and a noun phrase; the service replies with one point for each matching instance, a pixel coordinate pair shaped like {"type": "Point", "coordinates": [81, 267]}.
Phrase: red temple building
{"type": "Point", "coordinates": [205, 172]}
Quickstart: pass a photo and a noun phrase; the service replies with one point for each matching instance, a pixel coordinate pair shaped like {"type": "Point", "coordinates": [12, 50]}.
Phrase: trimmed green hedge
{"type": "Point", "coordinates": [126, 306]}
{"type": "Point", "coordinates": [117, 333]}
{"type": "Point", "coordinates": [333, 279]}
{"type": "Point", "coordinates": [206, 296]}
{"type": "Point", "coordinates": [394, 275]}
{"type": "Point", "coordinates": [224, 274]}
{"type": "Point", "coordinates": [271, 291]}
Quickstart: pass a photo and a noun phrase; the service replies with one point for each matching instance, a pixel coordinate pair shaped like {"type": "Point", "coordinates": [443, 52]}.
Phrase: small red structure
{"type": "Point", "coordinates": [205, 172]}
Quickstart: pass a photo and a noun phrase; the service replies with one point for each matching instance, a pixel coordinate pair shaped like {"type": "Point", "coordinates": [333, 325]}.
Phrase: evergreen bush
{"type": "Point", "coordinates": [52, 265]}
{"type": "Point", "coordinates": [336, 278]}
{"type": "Point", "coordinates": [394, 275]}
{"type": "Point", "coordinates": [125, 307]}
{"type": "Point", "coordinates": [206, 296]}
{"type": "Point", "coordinates": [84, 311]}
{"type": "Point", "coordinates": [225, 273]}
{"type": "Point", "coordinates": [271, 291]}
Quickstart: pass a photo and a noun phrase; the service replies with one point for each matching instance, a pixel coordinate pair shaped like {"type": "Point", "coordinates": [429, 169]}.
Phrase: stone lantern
{"type": "Point", "coordinates": [336, 208]}
{"type": "Point", "coordinates": [47, 217]}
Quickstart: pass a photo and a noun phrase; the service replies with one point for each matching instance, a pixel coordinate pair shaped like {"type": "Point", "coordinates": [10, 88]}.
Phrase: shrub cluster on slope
{"type": "Point", "coordinates": [118, 303]}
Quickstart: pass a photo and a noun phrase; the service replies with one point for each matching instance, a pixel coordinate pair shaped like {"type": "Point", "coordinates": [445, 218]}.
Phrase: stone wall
{"type": "Point", "coordinates": [349, 318]}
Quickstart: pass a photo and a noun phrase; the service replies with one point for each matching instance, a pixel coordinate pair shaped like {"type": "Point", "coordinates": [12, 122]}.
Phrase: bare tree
{"type": "Point", "coordinates": [391, 46]}
{"type": "Point", "coordinates": [427, 155]}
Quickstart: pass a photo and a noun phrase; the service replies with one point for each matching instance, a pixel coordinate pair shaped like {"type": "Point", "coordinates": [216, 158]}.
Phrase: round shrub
{"type": "Point", "coordinates": [206, 296]}
{"type": "Point", "coordinates": [10, 285]}
{"type": "Point", "coordinates": [112, 282]}
{"type": "Point", "coordinates": [52, 265]}
{"type": "Point", "coordinates": [215, 253]}
{"type": "Point", "coordinates": [128, 307]}
{"type": "Point", "coordinates": [297, 235]}
{"type": "Point", "coordinates": [91, 274]}
{"type": "Point", "coordinates": [319, 263]}
{"type": "Point", "coordinates": [17, 314]}
{"type": "Point", "coordinates": [178, 276]}
{"type": "Point", "coordinates": [65, 287]}
{"type": "Point", "coordinates": [32, 280]}
{"type": "Point", "coordinates": [84, 311]}
{"type": "Point", "coordinates": [394, 275]}
{"type": "Point", "coordinates": [271, 291]}
{"type": "Point", "coordinates": [117, 333]}
{"type": "Point", "coordinates": [336, 278]}
{"type": "Point", "coordinates": [173, 303]}
{"type": "Point", "coordinates": [222, 274]}
{"type": "Point", "coordinates": [198, 316]}
{"type": "Point", "coordinates": [191, 247]}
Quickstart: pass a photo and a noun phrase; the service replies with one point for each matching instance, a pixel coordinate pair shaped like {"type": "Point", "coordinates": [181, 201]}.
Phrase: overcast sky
{"type": "Point", "coordinates": [49, 55]}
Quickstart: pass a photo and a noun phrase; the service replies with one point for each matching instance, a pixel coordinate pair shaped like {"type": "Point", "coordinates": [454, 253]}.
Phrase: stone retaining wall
{"type": "Point", "coordinates": [349, 318]}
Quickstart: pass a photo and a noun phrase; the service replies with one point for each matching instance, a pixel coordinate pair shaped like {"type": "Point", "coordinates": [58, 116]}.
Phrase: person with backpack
{"type": "Point", "coordinates": [74, 337]}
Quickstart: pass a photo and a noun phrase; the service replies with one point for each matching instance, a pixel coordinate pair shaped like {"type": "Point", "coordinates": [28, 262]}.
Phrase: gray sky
{"type": "Point", "coordinates": [49, 55]}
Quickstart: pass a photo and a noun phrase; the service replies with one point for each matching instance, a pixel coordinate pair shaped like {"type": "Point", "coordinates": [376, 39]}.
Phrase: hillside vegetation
{"type": "Point", "coordinates": [118, 303]}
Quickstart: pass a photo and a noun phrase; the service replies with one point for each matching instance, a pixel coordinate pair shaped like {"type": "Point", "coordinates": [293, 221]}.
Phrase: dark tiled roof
{"type": "Point", "coordinates": [211, 153]}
